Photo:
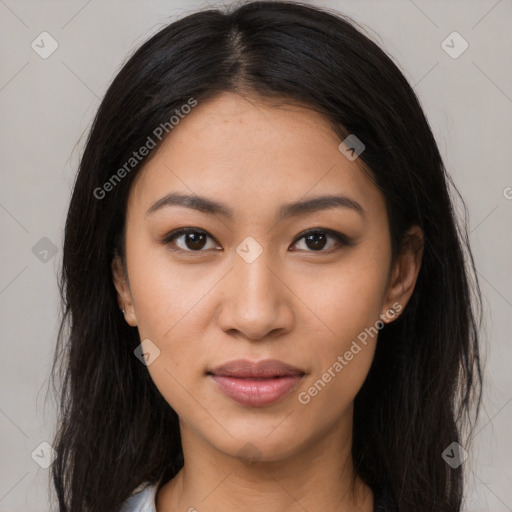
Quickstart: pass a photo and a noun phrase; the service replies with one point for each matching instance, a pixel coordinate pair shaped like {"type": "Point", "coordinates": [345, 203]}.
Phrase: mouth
{"type": "Point", "coordinates": [256, 384]}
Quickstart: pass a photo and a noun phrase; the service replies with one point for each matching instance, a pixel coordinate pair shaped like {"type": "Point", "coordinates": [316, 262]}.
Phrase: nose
{"type": "Point", "coordinates": [257, 304]}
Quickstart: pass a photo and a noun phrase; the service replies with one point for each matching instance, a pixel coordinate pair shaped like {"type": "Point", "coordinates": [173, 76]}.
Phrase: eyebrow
{"type": "Point", "coordinates": [287, 210]}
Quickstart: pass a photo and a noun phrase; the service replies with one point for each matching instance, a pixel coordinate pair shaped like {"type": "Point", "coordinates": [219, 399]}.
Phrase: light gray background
{"type": "Point", "coordinates": [48, 104]}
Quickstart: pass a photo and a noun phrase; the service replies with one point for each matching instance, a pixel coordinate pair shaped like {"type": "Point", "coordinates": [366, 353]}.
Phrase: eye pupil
{"type": "Point", "coordinates": [318, 240]}
{"type": "Point", "coordinates": [195, 240]}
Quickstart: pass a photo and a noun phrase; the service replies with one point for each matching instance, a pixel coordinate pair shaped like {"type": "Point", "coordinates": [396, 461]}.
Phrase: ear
{"type": "Point", "coordinates": [403, 275]}
{"type": "Point", "coordinates": [124, 296]}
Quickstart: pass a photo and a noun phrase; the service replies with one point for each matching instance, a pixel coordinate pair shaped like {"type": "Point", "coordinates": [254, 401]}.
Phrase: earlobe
{"type": "Point", "coordinates": [404, 275]}
{"type": "Point", "coordinates": [124, 296]}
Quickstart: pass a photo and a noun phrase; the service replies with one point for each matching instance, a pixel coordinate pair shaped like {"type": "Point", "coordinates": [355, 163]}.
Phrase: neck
{"type": "Point", "coordinates": [317, 478]}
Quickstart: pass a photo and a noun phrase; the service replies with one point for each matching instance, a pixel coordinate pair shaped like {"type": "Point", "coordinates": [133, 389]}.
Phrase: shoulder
{"type": "Point", "coordinates": [142, 499]}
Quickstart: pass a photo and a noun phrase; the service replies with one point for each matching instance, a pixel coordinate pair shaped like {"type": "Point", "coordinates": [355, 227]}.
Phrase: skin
{"type": "Point", "coordinates": [293, 303]}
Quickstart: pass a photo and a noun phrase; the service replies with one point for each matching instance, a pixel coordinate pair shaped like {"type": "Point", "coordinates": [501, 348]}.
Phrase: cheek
{"type": "Point", "coordinates": [164, 293]}
{"type": "Point", "coordinates": [168, 305]}
{"type": "Point", "coordinates": [339, 365]}
{"type": "Point", "coordinates": [347, 304]}
{"type": "Point", "coordinates": [347, 298]}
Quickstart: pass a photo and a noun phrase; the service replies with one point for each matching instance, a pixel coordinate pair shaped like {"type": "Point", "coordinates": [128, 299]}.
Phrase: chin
{"type": "Point", "coordinates": [254, 445]}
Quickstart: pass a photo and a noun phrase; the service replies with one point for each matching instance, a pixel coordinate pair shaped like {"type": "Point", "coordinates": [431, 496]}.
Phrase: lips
{"type": "Point", "coordinates": [256, 384]}
{"type": "Point", "coordinates": [267, 368]}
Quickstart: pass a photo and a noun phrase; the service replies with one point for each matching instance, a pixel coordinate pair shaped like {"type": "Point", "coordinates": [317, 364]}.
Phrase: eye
{"type": "Point", "coordinates": [316, 240]}
{"type": "Point", "coordinates": [192, 239]}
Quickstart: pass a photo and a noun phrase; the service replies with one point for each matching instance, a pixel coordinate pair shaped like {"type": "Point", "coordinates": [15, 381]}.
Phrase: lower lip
{"type": "Point", "coordinates": [256, 392]}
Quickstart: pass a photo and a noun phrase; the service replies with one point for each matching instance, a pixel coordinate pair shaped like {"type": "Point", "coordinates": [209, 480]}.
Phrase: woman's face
{"type": "Point", "coordinates": [250, 283]}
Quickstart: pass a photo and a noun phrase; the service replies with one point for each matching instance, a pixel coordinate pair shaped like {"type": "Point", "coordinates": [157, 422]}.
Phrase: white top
{"type": "Point", "coordinates": [142, 499]}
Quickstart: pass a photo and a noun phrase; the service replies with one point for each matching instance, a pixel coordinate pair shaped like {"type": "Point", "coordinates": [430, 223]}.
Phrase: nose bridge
{"type": "Point", "coordinates": [255, 302]}
{"type": "Point", "coordinates": [255, 279]}
{"type": "Point", "coordinates": [253, 263]}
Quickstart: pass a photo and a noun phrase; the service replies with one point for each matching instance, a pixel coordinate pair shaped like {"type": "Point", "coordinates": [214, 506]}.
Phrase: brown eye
{"type": "Point", "coordinates": [189, 240]}
{"type": "Point", "coordinates": [316, 241]}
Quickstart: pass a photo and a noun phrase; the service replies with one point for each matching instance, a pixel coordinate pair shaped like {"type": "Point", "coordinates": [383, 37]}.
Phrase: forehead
{"type": "Point", "coordinates": [251, 154]}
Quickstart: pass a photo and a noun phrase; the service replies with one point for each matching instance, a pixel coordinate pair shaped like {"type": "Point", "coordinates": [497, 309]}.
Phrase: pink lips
{"type": "Point", "coordinates": [256, 384]}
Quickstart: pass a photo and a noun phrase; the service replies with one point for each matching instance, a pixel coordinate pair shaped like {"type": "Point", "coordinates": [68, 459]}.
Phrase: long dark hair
{"type": "Point", "coordinates": [115, 430]}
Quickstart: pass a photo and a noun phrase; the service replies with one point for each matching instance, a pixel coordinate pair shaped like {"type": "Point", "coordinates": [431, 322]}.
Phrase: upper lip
{"type": "Point", "coordinates": [267, 368]}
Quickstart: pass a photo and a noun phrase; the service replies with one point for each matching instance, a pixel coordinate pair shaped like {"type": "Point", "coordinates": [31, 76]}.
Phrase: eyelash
{"type": "Point", "coordinates": [342, 239]}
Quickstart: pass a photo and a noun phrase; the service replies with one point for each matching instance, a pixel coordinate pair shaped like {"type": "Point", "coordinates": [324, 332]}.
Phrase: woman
{"type": "Point", "coordinates": [267, 292]}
